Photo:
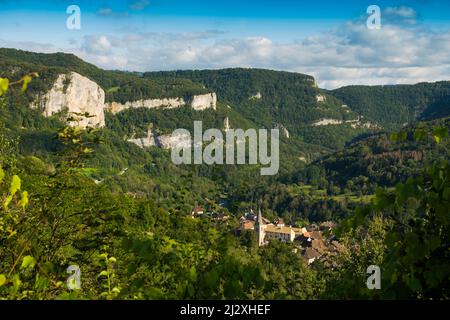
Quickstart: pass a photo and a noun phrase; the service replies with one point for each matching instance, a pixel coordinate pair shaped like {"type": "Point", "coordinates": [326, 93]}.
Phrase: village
{"type": "Point", "coordinates": [312, 242]}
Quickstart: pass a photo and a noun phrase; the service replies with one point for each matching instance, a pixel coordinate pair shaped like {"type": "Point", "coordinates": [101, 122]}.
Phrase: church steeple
{"type": "Point", "coordinates": [259, 216]}
{"type": "Point", "coordinates": [259, 228]}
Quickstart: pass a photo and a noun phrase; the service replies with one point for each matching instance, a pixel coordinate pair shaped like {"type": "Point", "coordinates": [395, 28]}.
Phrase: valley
{"type": "Point", "coordinates": [92, 149]}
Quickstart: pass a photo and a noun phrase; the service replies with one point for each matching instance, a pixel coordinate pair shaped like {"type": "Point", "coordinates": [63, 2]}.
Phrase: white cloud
{"type": "Point", "coordinates": [400, 52]}
{"type": "Point", "coordinates": [349, 54]}
{"type": "Point", "coordinates": [96, 45]}
{"type": "Point", "coordinates": [139, 5]}
{"type": "Point", "coordinates": [405, 12]}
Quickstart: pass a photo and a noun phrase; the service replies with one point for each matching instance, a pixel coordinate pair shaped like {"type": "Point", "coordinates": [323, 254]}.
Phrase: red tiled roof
{"type": "Point", "coordinates": [311, 253]}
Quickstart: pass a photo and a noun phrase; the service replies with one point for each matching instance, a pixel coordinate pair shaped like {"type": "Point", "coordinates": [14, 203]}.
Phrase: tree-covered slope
{"type": "Point", "coordinates": [271, 98]}
{"type": "Point", "coordinates": [380, 160]}
{"type": "Point", "coordinates": [119, 86]}
{"type": "Point", "coordinates": [394, 106]}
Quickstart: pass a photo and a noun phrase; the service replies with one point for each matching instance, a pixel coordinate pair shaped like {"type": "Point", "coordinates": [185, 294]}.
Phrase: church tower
{"type": "Point", "coordinates": [259, 228]}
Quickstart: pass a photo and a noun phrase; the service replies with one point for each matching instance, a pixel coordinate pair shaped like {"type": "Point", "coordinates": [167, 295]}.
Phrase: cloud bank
{"type": "Point", "coordinates": [402, 51]}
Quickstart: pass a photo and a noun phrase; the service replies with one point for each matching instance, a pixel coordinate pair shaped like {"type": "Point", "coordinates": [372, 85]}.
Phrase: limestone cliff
{"type": "Point", "coordinates": [170, 141]}
{"type": "Point", "coordinates": [170, 103]}
{"type": "Point", "coordinates": [198, 102]}
{"type": "Point", "coordinates": [167, 141]}
{"type": "Point", "coordinates": [144, 142]}
{"type": "Point", "coordinates": [75, 94]}
{"type": "Point", "coordinates": [204, 101]}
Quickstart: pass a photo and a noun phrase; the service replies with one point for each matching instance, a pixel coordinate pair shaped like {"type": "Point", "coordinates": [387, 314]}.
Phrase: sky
{"type": "Point", "coordinates": [327, 39]}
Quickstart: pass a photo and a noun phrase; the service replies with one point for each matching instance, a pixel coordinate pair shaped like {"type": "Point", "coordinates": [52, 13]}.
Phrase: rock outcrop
{"type": "Point", "coordinates": [356, 123]}
{"type": "Point", "coordinates": [115, 107]}
{"type": "Point", "coordinates": [144, 142]}
{"type": "Point", "coordinates": [198, 102]}
{"type": "Point", "coordinates": [321, 98]}
{"type": "Point", "coordinates": [170, 141]}
{"type": "Point", "coordinates": [204, 101]}
{"type": "Point", "coordinates": [167, 141]}
{"type": "Point", "coordinates": [284, 130]}
{"type": "Point", "coordinates": [257, 96]}
{"type": "Point", "coordinates": [75, 94]}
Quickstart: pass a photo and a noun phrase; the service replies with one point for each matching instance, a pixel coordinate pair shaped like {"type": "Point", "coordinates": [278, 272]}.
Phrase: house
{"type": "Point", "coordinates": [279, 222]}
{"type": "Point", "coordinates": [312, 243]}
{"type": "Point", "coordinates": [310, 255]}
{"type": "Point", "coordinates": [275, 231]}
{"type": "Point", "coordinates": [285, 234]}
{"type": "Point", "coordinates": [319, 246]}
{"type": "Point", "coordinates": [247, 225]}
{"type": "Point", "coordinates": [316, 235]}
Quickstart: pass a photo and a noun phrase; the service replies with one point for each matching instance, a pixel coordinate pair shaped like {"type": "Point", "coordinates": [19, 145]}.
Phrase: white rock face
{"type": "Point", "coordinates": [321, 98]}
{"type": "Point", "coordinates": [81, 95]}
{"type": "Point", "coordinates": [77, 94]}
{"type": "Point", "coordinates": [327, 122]}
{"type": "Point", "coordinates": [356, 123]}
{"type": "Point", "coordinates": [204, 101]}
{"type": "Point", "coordinates": [169, 103]}
{"type": "Point", "coordinates": [284, 130]}
{"type": "Point", "coordinates": [144, 142]}
{"type": "Point", "coordinates": [167, 141]}
{"type": "Point", "coordinates": [199, 102]}
{"type": "Point", "coordinates": [257, 96]}
{"type": "Point", "coordinates": [170, 141]}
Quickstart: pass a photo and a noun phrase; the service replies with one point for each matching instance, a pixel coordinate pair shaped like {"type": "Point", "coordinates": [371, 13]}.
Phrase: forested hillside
{"type": "Point", "coordinates": [123, 214]}
{"type": "Point", "coordinates": [394, 106]}
{"type": "Point", "coordinates": [119, 86]}
{"type": "Point", "coordinates": [271, 98]}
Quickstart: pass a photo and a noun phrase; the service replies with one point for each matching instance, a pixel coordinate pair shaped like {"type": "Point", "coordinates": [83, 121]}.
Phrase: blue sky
{"type": "Point", "coordinates": [328, 39]}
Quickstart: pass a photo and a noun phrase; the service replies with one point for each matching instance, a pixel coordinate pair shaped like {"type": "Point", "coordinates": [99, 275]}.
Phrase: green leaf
{"type": "Point", "coordinates": [28, 262]}
{"type": "Point", "coordinates": [7, 202]}
{"type": "Point", "coordinates": [440, 133]}
{"type": "Point", "coordinates": [4, 84]}
{"type": "Point", "coordinates": [104, 273]}
{"type": "Point", "coordinates": [26, 80]}
{"type": "Point", "coordinates": [16, 282]}
{"type": "Point", "coordinates": [2, 279]}
{"type": "Point", "coordinates": [103, 256]}
{"type": "Point", "coordinates": [15, 185]}
{"type": "Point", "coordinates": [115, 290]}
{"type": "Point", "coordinates": [193, 273]}
{"type": "Point", "coordinates": [2, 174]}
{"type": "Point", "coordinates": [112, 260]}
{"type": "Point", "coordinates": [24, 201]}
